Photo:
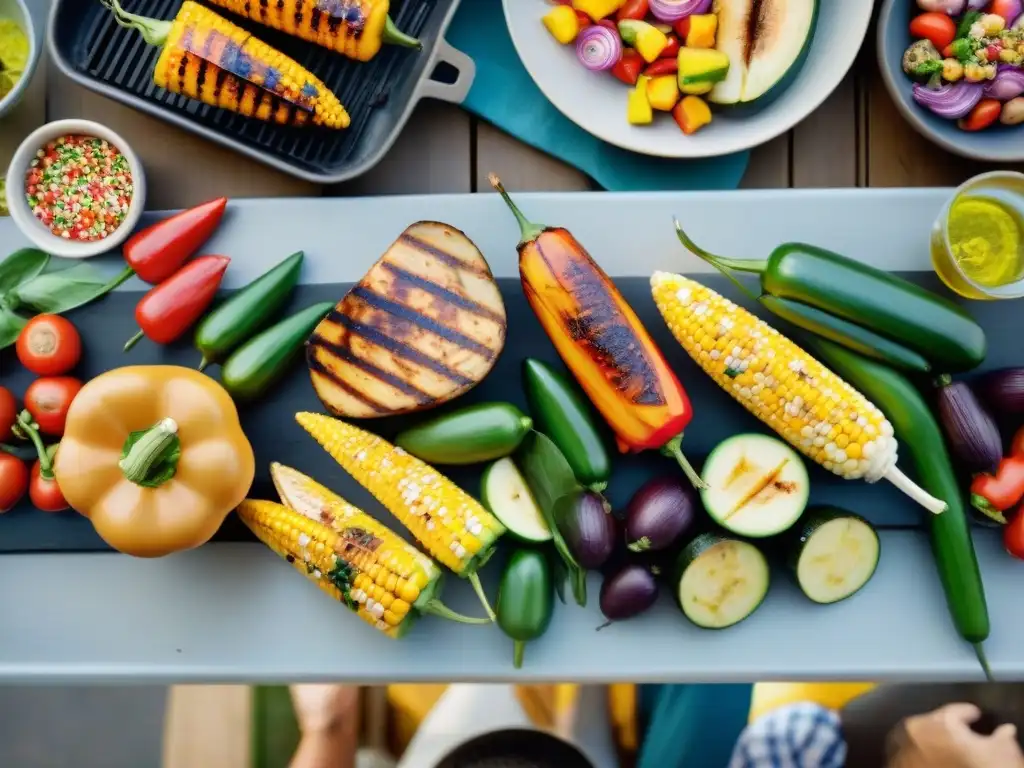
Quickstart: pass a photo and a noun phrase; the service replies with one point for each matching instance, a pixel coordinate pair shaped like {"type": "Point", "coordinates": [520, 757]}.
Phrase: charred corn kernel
{"type": "Point", "coordinates": [563, 23]}
{"type": "Point", "coordinates": [1009, 56]}
{"type": "Point", "coordinates": [354, 28]}
{"type": "Point", "coordinates": [990, 71]}
{"type": "Point", "coordinates": [952, 70]}
{"type": "Point", "coordinates": [453, 526]}
{"type": "Point", "coordinates": [974, 73]}
{"type": "Point", "coordinates": [992, 23]}
{"type": "Point", "coordinates": [818, 408]}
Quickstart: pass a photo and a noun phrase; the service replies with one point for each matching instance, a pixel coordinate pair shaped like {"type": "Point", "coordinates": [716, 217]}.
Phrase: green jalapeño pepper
{"type": "Point", "coordinates": [526, 599]}
{"type": "Point", "coordinates": [928, 324]}
{"type": "Point", "coordinates": [247, 311]}
{"type": "Point", "coordinates": [467, 435]}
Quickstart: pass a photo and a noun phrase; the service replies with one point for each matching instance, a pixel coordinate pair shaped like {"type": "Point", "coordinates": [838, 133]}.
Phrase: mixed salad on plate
{"type": "Point", "coordinates": [967, 58]}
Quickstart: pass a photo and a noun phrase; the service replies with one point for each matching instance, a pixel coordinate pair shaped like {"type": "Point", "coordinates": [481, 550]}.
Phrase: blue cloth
{"type": "Point", "coordinates": [505, 95]}
{"type": "Point", "coordinates": [800, 735]}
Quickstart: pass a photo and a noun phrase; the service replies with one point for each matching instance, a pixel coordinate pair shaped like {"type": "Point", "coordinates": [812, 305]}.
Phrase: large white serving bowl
{"type": "Point", "coordinates": [596, 101]}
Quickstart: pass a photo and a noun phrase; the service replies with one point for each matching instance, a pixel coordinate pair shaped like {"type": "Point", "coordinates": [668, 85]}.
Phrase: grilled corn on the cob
{"type": "Point", "coordinates": [348, 554]}
{"type": "Point", "coordinates": [206, 57]}
{"type": "Point", "coordinates": [452, 525]}
{"type": "Point", "coordinates": [818, 413]}
{"type": "Point", "coordinates": [354, 28]}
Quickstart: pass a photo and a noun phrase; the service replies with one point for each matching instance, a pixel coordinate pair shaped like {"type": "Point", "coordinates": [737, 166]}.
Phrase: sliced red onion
{"type": "Point", "coordinates": [951, 101]}
{"type": "Point", "coordinates": [674, 10]}
{"type": "Point", "coordinates": [598, 48]}
{"type": "Point", "coordinates": [1007, 84]}
{"type": "Point", "coordinates": [1010, 10]}
{"type": "Point", "coordinates": [977, 5]}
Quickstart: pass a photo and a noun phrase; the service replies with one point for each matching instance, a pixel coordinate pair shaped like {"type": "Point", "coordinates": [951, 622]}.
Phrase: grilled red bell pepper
{"type": "Point", "coordinates": [602, 341]}
{"type": "Point", "coordinates": [994, 494]}
{"type": "Point", "coordinates": [157, 252]}
{"type": "Point", "coordinates": [169, 309]}
{"type": "Point", "coordinates": [629, 66]}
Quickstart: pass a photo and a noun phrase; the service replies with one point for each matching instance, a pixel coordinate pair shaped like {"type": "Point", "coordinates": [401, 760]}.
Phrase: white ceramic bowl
{"type": "Point", "coordinates": [17, 10]}
{"type": "Point", "coordinates": [596, 101]}
{"type": "Point", "coordinates": [39, 234]}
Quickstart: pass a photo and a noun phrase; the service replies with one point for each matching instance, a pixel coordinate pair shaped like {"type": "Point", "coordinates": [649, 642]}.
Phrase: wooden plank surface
{"type": "Point", "coordinates": [207, 726]}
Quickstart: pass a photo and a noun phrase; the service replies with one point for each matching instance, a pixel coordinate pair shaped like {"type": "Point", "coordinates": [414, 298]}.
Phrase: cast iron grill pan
{"type": "Point", "coordinates": [90, 42]}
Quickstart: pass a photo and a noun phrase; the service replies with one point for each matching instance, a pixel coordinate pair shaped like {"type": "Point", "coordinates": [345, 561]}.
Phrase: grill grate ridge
{"type": "Point", "coordinates": [120, 58]}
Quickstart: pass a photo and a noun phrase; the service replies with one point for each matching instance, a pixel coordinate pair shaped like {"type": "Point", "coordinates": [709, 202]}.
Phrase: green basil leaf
{"type": "Point", "coordinates": [56, 292]}
{"type": "Point", "coordinates": [11, 324]}
{"type": "Point", "coordinates": [20, 267]}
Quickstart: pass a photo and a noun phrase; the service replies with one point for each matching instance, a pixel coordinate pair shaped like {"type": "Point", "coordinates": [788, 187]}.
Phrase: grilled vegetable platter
{"type": "Point", "coordinates": [686, 439]}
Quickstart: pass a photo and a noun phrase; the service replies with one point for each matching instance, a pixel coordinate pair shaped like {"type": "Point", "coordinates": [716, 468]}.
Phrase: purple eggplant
{"type": "Point", "coordinates": [970, 429]}
{"type": "Point", "coordinates": [1003, 391]}
{"type": "Point", "coordinates": [628, 593]}
{"type": "Point", "coordinates": [586, 523]}
{"type": "Point", "coordinates": [660, 514]}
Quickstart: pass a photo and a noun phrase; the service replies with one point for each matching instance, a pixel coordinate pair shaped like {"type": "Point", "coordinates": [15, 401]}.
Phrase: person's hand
{"type": "Point", "coordinates": [944, 739]}
{"type": "Point", "coordinates": [325, 707]}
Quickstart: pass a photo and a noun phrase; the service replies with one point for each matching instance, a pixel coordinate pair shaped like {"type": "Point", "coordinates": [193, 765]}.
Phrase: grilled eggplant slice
{"type": "Point", "coordinates": [425, 325]}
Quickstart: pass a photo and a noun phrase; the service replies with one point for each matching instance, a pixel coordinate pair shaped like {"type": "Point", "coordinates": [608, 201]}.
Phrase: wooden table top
{"type": "Point", "coordinates": [856, 138]}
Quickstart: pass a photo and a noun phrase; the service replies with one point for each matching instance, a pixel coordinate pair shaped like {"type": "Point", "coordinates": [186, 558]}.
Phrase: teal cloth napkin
{"type": "Point", "coordinates": [505, 95]}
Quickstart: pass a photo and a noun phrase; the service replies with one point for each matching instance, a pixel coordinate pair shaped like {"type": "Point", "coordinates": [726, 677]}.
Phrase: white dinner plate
{"type": "Point", "coordinates": [596, 101]}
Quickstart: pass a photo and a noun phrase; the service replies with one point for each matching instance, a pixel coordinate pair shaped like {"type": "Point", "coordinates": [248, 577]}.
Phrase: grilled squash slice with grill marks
{"type": "Point", "coordinates": [425, 325]}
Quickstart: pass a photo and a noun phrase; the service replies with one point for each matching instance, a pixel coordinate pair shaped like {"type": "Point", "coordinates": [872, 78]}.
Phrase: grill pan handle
{"type": "Point", "coordinates": [453, 92]}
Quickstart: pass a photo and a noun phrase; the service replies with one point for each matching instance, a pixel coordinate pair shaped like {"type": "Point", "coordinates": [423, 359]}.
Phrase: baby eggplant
{"type": "Point", "coordinates": [1003, 391]}
{"type": "Point", "coordinates": [661, 512]}
{"type": "Point", "coordinates": [970, 429]}
{"type": "Point", "coordinates": [588, 528]}
{"type": "Point", "coordinates": [628, 593]}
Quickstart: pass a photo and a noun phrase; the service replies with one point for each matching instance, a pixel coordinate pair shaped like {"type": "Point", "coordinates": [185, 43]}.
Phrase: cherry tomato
{"type": "Point", "coordinates": [670, 51]}
{"type": "Point", "coordinates": [48, 400]}
{"type": "Point", "coordinates": [8, 412]}
{"type": "Point", "coordinates": [682, 27]}
{"type": "Point", "coordinates": [634, 9]}
{"type": "Point", "coordinates": [49, 345]}
{"type": "Point", "coordinates": [934, 26]}
{"type": "Point", "coordinates": [583, 19]}
{"type": "Point", "coordinates": [45, 494]}
{"type": "Point", "coordinates": [13, 481]}
{"type": "Point", "coordinates": [982, 116]}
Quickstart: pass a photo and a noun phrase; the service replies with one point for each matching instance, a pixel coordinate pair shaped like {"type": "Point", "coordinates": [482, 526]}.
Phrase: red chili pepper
{"type": "Point", "coordinates": [629, 66]}
{"type": "Point", "coordinates": [662, 67]}
{"type": "Point", "coordinates": [157, 252]}
{"type": "Point", "coordinates": [671, 50]}
{"type": "Point", "coordinates": [682, 27]}
{"type": "Point", "coordinates": [168, 310]}
{"type": "Point", "coordinates": [634, 9]}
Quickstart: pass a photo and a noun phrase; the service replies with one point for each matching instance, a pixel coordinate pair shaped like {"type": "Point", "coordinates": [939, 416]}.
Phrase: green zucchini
{"type": "Point", "coordinates": [469, 435]}
{"type": "Point", "coordinates": [505, 493]}
{"type": "Point", "coordinates": [756, 485]}
{"type": "Point", "coordinates": [850, 335]}
{"type": "Point", "coordinates": [564, 415]}
{"type": "Point", "coordinates": [834, 554]}
{"type": "Point", "coordinates": [921, 439]}
{"type": "Point", "coordinates": [720, 581]}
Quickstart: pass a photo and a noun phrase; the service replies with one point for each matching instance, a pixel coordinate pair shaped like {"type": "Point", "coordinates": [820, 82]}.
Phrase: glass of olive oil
{"type": "Point", "coordinates": [977, 243]}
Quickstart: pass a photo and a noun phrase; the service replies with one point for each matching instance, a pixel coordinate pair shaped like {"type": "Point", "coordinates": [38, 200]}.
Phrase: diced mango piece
{"type": "Point", "coordinates": [638, 109]}
{"type": "Point", "coordinates": [692, 113]}
{"type": "Point", "coordinates": [562, 23]}
{"type": "Point", "coordinates": [648, 40]}
{"type": "Point", "coordinates": [663, 92]}
{"type": "Point", "coordinates": [702, 31]}
{"type": "Point", "coordinates": [598, 9]}
{"type": "Point", "coordinates": [700, 68]}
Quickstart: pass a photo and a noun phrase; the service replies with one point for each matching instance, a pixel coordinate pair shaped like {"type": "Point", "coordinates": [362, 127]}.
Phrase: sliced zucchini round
{"type": "Point", "coordinates": [756, 485]}
{"type": "Point", "coordinates": [505, 493]}
{"type": "Point", "coordinates": [720, 581]}
{"type": "Point", "coordinates": [835, 554]}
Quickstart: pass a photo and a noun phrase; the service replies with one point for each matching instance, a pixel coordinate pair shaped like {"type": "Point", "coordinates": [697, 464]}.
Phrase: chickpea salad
{"type": "Point", "coordinates": [967, 61]}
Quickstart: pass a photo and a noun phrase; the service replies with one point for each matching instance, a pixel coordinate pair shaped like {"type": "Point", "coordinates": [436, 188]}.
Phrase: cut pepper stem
{"type": "Point", "coordinates": [673, 449]}
{"type": "Point", "coordinates": [126, 274]}
{"type": "Point", "coordinates": [529, 231]}
{"type": "Point", "coordinates": [439, 609]}
{"type": "Point", "coordinates": [914, 491]}
{"type": "Point", "coordinates": [153, 31]}
{"type": "Point", "coordinates": [134, 340]}
{"type": "Point", "coordinates": [150, 452]}
{"type": "Point", "coordinates": [740, 265]}
{"type": "Point", "coordinates": [394, 36]}
{"type": "Point", "coordinates": [474, 579]}
{"type": "Point", "coordinates": [29, 429]}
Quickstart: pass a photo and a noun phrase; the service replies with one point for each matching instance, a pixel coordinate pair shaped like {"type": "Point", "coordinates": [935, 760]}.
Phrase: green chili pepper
{"type": "Point", "coordinates": [258, 364]}
{"type": "Point", "coordinates": [526, 599]}
{"type": "Point", "coordinates": [469, 435]}
{"type": "Point", "coordinates": [247, 311]}
{"type": "Point", "coordinates": [934, 327]}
